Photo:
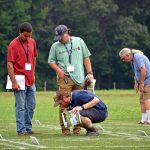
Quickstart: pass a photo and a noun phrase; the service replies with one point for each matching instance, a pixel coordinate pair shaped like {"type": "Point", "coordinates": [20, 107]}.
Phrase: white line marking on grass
{"type": "Point", "coordinates": [133, 135]}
{"type": "Point", "coordinates": [80, 147]}
{"type": "Point", "coordinates": [121, 134]}
{"type": "Point", "coordinates": [23, 143]}
{"type": "Point", "coordinates": [39, 124]}
{"type": "Point", "coordinates": [12, 146]}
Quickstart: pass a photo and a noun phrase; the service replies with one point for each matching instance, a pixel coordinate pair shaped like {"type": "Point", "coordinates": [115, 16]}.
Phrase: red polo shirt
{"type": "Point", "coordinates": [17, 55]}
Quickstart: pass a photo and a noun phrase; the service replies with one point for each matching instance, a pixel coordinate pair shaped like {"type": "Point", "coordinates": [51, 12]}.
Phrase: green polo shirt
{"type": "Point", "coordinates": [59, 54]}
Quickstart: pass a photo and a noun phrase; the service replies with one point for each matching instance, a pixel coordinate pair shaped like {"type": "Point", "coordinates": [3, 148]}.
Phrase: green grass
{"type": "Point", "coordinates": [120, 128]}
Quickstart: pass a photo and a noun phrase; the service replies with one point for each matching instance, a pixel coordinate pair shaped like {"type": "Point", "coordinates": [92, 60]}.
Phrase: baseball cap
{"type": "Point", "coordinates": [59, 31]}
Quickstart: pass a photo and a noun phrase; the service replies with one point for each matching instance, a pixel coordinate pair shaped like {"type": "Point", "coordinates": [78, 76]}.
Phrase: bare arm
{"type": "Point", "coordinates": [88, 67]}
{"type": "Point", "coordinates": [143, 75]}
{"type": "Point", "coordinates": [136, 86]}
{"type": "Point", "coordinates": [90, 104]}
{"type": "Point", "coordinates": [10, 69]}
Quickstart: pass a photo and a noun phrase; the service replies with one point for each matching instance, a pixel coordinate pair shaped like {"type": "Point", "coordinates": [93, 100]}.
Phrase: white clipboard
{"type": "Point", "coordinates": [20, 80]}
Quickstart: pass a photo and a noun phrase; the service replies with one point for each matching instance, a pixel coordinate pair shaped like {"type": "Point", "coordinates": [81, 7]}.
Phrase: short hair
{"type": "Point", "coordinates": [25, 27]}
{"type": "Point", "coordinates": [60, 94]}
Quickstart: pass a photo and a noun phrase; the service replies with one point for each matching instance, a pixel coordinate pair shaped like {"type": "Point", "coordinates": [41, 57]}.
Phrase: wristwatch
{"type": "Point", "coordinates": [82, 107]}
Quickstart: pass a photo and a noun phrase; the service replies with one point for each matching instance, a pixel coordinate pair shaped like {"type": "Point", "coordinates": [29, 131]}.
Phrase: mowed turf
{"type": "Point", "coordinates": [120, 131]}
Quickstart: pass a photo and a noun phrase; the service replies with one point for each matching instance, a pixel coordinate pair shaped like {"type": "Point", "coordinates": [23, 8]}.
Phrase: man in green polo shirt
{"type": "Point", "coordinates": [68, 56]}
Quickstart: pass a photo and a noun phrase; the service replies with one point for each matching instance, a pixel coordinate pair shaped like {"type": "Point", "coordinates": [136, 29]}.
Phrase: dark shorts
{"type": "Point", "coordinates": [93, 114]}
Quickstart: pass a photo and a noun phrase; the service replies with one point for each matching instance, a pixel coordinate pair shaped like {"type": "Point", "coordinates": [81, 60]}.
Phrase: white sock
{"type": "Point", "coordinates": [144, 117]}
{"type": "Point", "coordinates": [148, 115]}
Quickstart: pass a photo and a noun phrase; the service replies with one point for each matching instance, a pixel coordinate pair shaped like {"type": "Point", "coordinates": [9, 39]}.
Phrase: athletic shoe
{"type": "Point", "coordinates": [148, 123]}
{"type": "Point", "coordinates": [142, 123]}
{"type": "Point", "coordinates": [92, 133]}
{"type": "Point", "coordinates": [32, 132]}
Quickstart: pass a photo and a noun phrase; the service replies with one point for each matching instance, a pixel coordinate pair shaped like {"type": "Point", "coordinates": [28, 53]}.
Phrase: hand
{"type": "Point", "coordinates": [76, 109]}
{"type": "Point", "coordinates": [15, 86]}
{"type": "Point", "coordinates": [65, 110]}
{"type": "Point", "coordinates": [60, 74]}
{"type": "Point", "coordinates": [141, 87]}
{"type": "Point", "coordinates": [136, 87]}
{"type": "Point", "coordinates": [91, 77]}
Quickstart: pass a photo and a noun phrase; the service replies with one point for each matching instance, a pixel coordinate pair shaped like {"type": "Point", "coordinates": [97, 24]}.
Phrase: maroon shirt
{"type": "Point", "coordinates": [17, 55]}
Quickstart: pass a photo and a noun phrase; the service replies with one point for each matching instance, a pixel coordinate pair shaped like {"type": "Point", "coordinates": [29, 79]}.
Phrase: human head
{"type": "Point", "coordinates": [62, 98]}
{"type": "Point", "coordinates": [126, 55]}
{"type": "Point", "coordinates": [60, 32]}
{"type": "Point", "coordinates": [25, 31]}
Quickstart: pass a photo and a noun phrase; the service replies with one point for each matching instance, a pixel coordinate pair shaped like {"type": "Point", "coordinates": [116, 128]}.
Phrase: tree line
{"type": "Point", "coordinates": [106, 26]}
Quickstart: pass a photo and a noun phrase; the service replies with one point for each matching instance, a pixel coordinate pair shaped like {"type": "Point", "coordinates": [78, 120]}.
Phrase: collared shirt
{"type": "Point", "coordinates": [139, 61]}
{"type": "Point", "coordinates": [58, 55]}
{"type": "Point", "coordinates": [17, 56]}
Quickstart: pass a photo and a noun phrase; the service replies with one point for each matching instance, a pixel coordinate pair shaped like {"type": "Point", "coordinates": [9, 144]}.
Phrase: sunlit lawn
{"type": "Point", "coordinates": [121, 129]}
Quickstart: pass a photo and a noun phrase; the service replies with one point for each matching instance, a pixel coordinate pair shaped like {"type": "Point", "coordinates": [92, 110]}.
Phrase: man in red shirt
{"type": "Point", "coordinates": [21, 58]}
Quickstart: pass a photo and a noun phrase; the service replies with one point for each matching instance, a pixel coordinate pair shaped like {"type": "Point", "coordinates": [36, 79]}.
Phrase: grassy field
{"type": "Point", "coordinates": [121, 130]}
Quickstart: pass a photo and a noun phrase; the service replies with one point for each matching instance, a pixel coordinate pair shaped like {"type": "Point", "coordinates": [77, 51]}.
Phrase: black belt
{"type": "Point", "coordinates": [67, 74]}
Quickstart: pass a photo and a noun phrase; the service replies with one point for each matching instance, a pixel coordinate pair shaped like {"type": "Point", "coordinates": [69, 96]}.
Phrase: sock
{"type": "Point", "coordinates": [144, 117]}
{"type": "Point", "coordinates": [90, 129]}
{"type": "Point", "coordinates": [148, 115]}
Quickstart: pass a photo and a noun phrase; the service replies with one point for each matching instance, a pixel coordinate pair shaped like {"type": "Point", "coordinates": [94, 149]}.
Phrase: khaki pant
{"type": "Point", "coordinates": [146, 93]}
{"type": "Point", "coordinates": [67, 84]}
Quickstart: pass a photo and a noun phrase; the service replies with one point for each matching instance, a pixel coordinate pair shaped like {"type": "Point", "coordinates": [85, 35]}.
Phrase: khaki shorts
{"type": "Point", "coordinates": [146, 93]}
{"type": "Point", "coordinates": [67, 84]}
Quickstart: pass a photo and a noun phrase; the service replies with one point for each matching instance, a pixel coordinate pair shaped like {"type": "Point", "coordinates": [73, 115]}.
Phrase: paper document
{"type": "Point", "coordinates": [70, 119]}
{"type": "Point", "coordinates": [92, 86]}
{"type": "Point", "coordinates": [20, 80]}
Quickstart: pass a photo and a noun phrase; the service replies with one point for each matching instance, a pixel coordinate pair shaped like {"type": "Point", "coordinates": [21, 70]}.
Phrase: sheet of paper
{"type": "Point", "coordinates": [20, 80]}
{"type": "Point", "coordinates": [92, 86]}
{"type": "Point", "coordinates": [70, 119]}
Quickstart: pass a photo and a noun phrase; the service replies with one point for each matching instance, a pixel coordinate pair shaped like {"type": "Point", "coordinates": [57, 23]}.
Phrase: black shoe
{"type": "Point", "coordinates": [142, 122]}
{"type": "Point", "coordinates": [92, 133]}
{"type": "Point", "coordinates": [32, 132]}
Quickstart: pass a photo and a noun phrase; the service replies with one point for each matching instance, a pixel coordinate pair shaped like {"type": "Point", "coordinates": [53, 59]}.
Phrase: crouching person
{"type": "Point", "coordinates": [91, 108]}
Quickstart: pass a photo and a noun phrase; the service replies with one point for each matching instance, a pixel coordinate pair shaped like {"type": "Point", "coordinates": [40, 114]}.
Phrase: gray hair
{"type": "Point", "coordinates": [125, 51]}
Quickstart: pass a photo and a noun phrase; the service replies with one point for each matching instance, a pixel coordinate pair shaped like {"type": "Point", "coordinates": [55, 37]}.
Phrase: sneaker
{"type": "Point", "coordinates": [142, 123]}
{"type": "Point", "coordinates": [148, 123]}
{"type": "Point", "coordinates": [92, 133]}
{"type": "Point", "coordinates": [32, 132]}
{"type": "Point", "coordinates": [23, 133]}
